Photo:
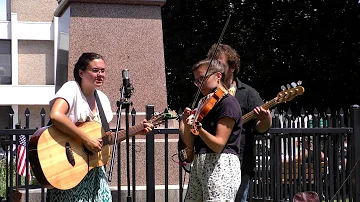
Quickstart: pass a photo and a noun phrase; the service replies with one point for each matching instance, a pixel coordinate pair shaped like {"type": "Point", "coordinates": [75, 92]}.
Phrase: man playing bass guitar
{"type": "Point", "coordinates": [249, 100]}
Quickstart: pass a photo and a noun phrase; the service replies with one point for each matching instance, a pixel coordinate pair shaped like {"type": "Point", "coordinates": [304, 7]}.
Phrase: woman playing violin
{"type": "Point", "coordinates": [215, 173]}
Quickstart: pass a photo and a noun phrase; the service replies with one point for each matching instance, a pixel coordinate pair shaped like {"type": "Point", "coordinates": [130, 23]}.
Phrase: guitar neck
{"type": "Point", "coordinates": [132, 131]}
{"type": "Point", "coordinates": [247, 117]}
{"type": "Point", "coordinates": [109, 139]}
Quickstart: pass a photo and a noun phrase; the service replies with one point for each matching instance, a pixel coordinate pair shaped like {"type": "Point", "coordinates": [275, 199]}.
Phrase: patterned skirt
{"type": "Point", "coordinates": [93, 188]}
{"type": "Point", "coordinates": [214, 177]}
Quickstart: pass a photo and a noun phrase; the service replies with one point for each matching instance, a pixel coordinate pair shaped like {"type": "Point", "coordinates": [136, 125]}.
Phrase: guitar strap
{"type": "Point", "coordinates": [104, 122]}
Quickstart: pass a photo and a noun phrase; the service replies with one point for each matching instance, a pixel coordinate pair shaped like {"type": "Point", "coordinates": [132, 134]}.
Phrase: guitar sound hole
{"type": "Point", "coordinates": [69, 154]}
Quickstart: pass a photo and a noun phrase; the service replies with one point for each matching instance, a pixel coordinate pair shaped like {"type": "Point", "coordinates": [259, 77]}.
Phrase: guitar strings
{"type": "Point", "coordinates": [82, 151]}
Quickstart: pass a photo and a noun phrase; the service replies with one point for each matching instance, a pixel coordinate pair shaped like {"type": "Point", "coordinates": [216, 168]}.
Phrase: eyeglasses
{"type": "Point", "coordinates": [97, 70]}
{"type": "Point", "coordinates": [197, 82]}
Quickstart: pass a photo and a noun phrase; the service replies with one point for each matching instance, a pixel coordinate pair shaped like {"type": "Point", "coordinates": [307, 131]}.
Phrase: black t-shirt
{"type": "Point", "coordinates": [226, 107]}
{"type": "Point", "coordinates": [248, 99]}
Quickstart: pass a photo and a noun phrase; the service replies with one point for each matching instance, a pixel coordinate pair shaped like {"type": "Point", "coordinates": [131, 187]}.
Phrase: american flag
{"type": "Point", "coordinates": [21, 153]}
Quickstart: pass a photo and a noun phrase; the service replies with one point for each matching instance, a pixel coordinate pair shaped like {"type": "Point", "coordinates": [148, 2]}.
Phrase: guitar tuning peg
{"type": "Point", "coordinates": [293, 84]}
{"type": "Point", "coordinates": [288, 86]}
{"type": "Point", "coordinates": [299, 83]}
{"type": "Point", "coordinates": [283, 88]}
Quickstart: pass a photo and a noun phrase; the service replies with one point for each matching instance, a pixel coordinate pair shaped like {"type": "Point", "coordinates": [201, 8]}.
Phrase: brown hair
{"type": "Point", "coordinates": [232, 56]}
{"type": "Point", "coordinates": [83, 62]}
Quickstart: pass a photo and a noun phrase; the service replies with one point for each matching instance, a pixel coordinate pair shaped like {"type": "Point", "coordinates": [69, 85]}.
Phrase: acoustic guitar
{"type": "Point", "coordinates": [60, 161]}
{"type": "Point", "coordinates": [186, 155]}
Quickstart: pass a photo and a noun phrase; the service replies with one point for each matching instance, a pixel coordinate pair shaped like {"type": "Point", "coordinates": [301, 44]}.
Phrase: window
{"type": "Point", "coordinates": [4, 117]}
{"type": "Point", "coordinates": [4, 10]}
{"type": "Point", "coordinates": [5, 62]}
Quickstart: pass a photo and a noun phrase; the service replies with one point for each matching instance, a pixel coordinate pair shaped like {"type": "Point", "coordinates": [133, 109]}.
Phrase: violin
{"type": "Point", "coordinates": [205, 108]}
{"type": "Point", "coordinates": [186, 154]}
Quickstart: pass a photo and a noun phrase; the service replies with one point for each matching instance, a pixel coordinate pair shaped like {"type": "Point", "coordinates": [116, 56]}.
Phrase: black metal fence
{"type": "Point", "coordinates": [317, 153]}
{"type": "Point", "coordinates": [9, 140]}
{"type": "Point", "coordinates": [312, 152]}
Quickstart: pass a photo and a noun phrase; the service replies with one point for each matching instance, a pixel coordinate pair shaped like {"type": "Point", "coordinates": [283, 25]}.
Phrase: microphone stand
{"type": "Point", "coordinates": [126, 103]}
{"type": "Point", "coordinates": [123, 103]}
{"type": "Point", "coordinates": [114, 147]}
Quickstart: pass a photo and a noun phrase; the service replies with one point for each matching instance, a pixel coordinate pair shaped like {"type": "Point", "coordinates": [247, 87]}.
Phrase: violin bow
{"type": "Point", "coordinates": [231, 6]}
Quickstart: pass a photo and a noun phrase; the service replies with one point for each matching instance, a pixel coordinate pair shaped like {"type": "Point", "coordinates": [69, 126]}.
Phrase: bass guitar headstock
{"type": "Point", "coordinates": [160, 118]}
{"type": "Point", "coordinates": [289, 92]}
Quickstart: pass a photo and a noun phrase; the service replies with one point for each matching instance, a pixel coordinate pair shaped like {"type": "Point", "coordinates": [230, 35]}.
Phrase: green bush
{"type": "Point", "coordinates": [3, 177]}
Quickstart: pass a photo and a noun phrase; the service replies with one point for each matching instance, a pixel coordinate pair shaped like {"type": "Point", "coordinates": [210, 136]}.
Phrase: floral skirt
{"type": "Point", "coordinates": [93, 188]}
{"type": "Point", "coordinates": [214, 177]}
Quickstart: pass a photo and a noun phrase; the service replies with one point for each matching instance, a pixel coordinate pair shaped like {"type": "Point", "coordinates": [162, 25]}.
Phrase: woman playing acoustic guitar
{"type": "Point", "coordinates": [73, 103]}
{"type": "Point", "coordinates": [215, 173]}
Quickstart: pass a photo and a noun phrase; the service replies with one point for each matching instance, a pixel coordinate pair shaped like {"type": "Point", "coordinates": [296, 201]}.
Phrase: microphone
{"type": "Point", "coordinates": [126, 83]}
{"type": "Point", "coordinates": [125, 76]}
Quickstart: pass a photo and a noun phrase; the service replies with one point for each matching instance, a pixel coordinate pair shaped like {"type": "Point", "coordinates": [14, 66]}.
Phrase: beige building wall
{"type": "Point", "coordinates": [35, 117]}
{"type": "Point", "coordinates": [36, 63]}
{"type": "Point", "coordinates": [129, 37]}
{"type": "Point", "coordinates": [36, 58]}
{"type": "Point", "coordinates": [36, 11]}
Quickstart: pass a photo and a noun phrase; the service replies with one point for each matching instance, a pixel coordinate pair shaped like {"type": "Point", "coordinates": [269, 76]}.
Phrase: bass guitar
{"type": "Point", "coordinates": [186, 155]}
{"type": "Point", "coordinates": [61, 161]}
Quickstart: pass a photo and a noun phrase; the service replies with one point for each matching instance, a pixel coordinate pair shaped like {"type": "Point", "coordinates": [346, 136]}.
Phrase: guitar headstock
{"type": "Point", "coordinates": [290, 92]}
{"type": "Point", "coordinates": [160, 118]}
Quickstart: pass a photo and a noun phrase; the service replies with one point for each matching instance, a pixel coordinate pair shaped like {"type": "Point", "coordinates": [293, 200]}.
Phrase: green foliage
{"type": "Point", "coordinates": [279, 42]}
{"type": "Point", "coordinates": [3, 177]}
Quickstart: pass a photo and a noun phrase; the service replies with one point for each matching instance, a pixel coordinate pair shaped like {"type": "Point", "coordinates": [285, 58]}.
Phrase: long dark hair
{"type": "Point", "coordinates": [83, 62]}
